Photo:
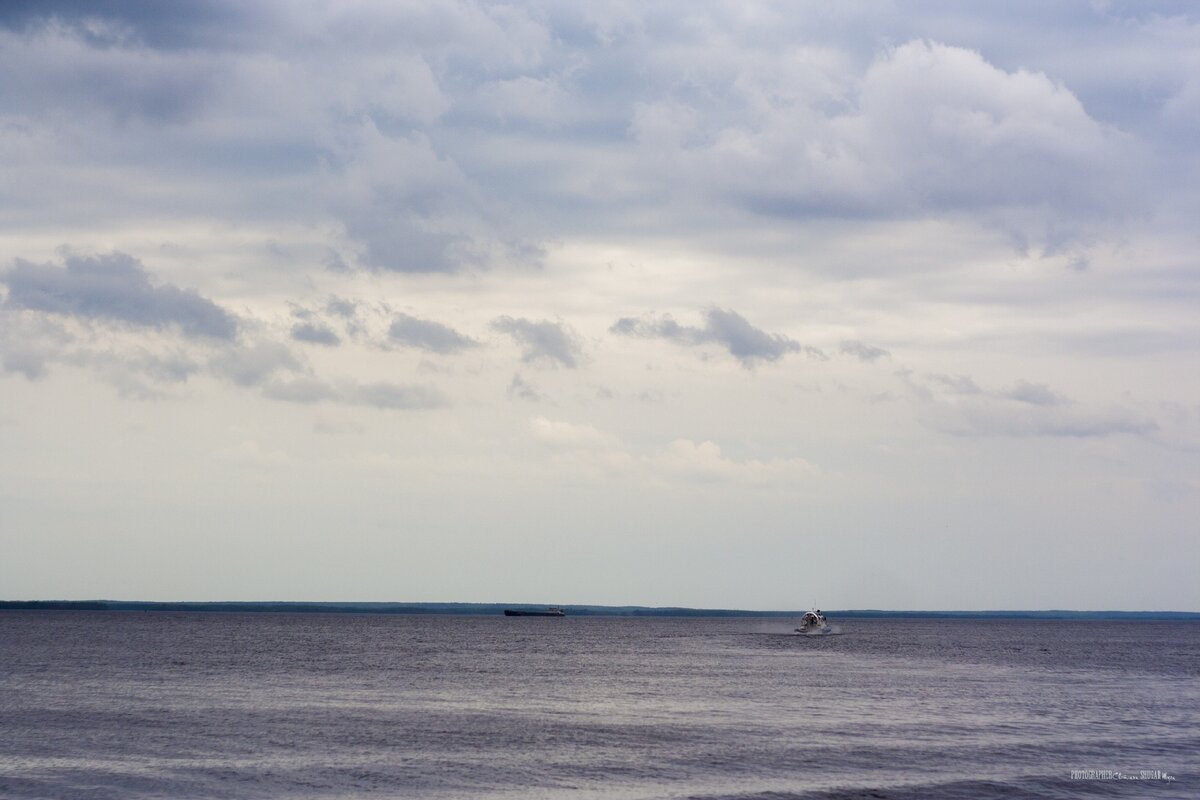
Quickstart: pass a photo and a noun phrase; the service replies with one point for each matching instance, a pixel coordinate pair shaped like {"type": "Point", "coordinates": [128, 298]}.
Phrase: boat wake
{"type": "Point", "coordinates": [790, 630]}
{"type": "Point", "coordinates": [831, 630]}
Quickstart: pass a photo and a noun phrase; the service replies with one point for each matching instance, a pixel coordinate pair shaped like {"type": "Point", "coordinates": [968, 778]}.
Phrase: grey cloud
{"type": "Point", "coordinates": [29, 344]}
{"type": "Point", "coordinates": [997, 420]}
{"type": "Point", "coordinates": [114, 287]}
{"type": "Point", "coordinates": [340, 307]}
{"type": "Point", "coordinates": [300, 390]}
{"type": "Point", "coordinates": [94, 63]}
{"type": "Point", "coordinates": [205, 23]}
{"type": "Point", "coordinates": [959, 384]}
{"type": "Point", "coordinates": [746, 342]}
{"type": "Point", "coordinates": [409, 207]}
{"type": "Point", "coordinates": [135, 372]}
{"type": "Point", "coordinates": [427, 335]}
{"type": "Point", "coordinates": [524, 390]}
{"type": "Point", "coordinates": [252, 365]}
{"type": "Point", "coordinates": [1130, 341]}
{"type": "Point", "coordinates": [726, 328]}
{"type": "Point", "coordinates": [334, 262]}
{"type": "Point", "coordinates": [396, 396]}
{"type": "Point", "coordinates": [347, 311]}
{"type": "Point", "coordinates": [28, 360]}
{"type": "Point", "coordinates": [1038, 394]}
{"type": "Point", "coordinates": [401, 246]}
{"type": "Point", "coordinates": [315, 333]}
{"type": "Point", "coordinates": [382, 395]}
{"type": "Point", "coordinates": [545, 341]}
{"type": "Point", "coordinates": [396, 135]}
{"type": "Point", "coordinates": [958, 405]}
{"type": "Point", "coordinates": [863, 351]}
{"type": "Point", "coordinates": [170, 368]}
{"type": "Point", "coordinates": [662, 328]}
{"type": "Point", "coordinates": [144, 376]}
{"type": "Point", "coordinates": [139, 373]}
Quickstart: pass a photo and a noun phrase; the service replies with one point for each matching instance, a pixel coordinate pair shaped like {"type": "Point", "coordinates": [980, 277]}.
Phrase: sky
{"type": "Point", "coordinates": [715, 304]}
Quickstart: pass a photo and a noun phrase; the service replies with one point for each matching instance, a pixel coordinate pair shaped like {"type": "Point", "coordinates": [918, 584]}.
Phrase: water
{"type": "Point", "coordinates": [161, 705]}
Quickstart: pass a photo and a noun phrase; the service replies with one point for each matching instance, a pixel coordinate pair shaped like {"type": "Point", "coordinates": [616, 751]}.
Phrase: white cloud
{"type": "Point", "coordinates": [927, 129]}
{"type": "Point", "coordinates": [682, 462]}
{"type": "Point", "coordinates": [568, 435]}
{"type": "Point", "coordinates": [703, 462]}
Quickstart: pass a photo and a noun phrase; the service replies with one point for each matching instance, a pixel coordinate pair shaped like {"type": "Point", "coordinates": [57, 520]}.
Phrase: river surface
{"type": "Point", "coordinates": [129, 705]}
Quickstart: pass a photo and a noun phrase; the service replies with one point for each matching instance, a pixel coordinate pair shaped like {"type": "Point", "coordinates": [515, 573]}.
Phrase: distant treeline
{"type": "Point", "coordinates": [492, 609]}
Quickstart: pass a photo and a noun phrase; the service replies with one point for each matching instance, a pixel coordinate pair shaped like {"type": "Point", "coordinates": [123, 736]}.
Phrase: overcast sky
{"type": "Point", "coordinates": [758, 305]}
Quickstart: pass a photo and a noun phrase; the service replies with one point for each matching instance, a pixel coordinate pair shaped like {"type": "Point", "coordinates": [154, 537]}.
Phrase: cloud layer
{"type": "Point", "coordinates": [915, 281]}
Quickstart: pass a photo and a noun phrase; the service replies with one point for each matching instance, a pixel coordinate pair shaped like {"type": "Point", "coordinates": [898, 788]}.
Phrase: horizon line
{"type": "Point", "coordinates": [400, 606]}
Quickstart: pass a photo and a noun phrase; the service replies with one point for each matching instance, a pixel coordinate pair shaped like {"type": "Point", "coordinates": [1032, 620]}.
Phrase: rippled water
{"type": "Point", "coordinates": [157, 705]}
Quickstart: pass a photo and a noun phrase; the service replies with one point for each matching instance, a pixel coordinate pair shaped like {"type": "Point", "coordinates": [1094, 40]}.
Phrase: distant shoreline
{"type": "Point", "coordinates": [497, 609]}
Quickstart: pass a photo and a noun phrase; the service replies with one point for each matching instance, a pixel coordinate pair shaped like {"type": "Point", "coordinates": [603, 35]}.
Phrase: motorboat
{"type": "Point", "coordinates": [814, 622]}
{"type": "Point", "coordinates": [552, 611]}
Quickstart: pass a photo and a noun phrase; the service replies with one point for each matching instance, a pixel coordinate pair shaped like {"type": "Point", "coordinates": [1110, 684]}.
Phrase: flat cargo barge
{"type": "Point", "coordinates": [553, 611]}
